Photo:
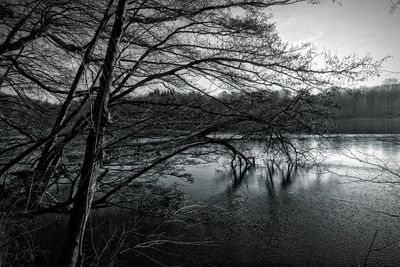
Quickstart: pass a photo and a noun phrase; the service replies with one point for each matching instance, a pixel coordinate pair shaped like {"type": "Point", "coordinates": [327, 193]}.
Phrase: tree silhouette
{"type": "Point", "coordinates": [138, 84]}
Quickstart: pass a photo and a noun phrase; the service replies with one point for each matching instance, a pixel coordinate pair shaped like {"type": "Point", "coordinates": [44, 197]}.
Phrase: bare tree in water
{"type": "Point", "coordinates": [167, 74]}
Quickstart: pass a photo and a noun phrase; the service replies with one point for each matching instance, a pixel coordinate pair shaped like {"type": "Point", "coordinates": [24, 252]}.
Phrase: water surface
{"type": "Point", "coordinates": [319, 214]}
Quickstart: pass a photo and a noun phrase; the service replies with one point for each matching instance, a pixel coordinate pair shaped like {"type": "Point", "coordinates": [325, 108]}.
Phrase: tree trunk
{"type": "Point", "coordinates": [43, 169]}
{"type": "Point", "coordinates": [72, 246]}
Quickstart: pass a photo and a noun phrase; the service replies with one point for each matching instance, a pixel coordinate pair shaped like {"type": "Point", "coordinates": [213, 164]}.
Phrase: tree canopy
{"type": "Point", "coordinates": [220, 66]}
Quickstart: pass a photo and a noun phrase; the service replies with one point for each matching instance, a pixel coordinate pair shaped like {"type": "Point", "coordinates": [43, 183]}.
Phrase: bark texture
{"type": "Point", "coordinates": [71, 251]}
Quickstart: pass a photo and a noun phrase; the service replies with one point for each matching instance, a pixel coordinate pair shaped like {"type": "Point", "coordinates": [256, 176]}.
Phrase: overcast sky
{"type": "Point", "coordinates": [360, 26]}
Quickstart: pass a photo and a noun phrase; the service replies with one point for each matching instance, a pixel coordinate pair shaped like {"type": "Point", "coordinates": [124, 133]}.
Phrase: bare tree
{"type": "Point", "coordinates": [74, 236]}
{"type": "Point", "coordinates": [169, 74]}
{"type": "Point", "coordinates": [395, 5]}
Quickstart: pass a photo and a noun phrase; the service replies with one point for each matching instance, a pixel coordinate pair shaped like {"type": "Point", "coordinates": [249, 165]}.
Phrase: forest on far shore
{"type": "Point", "coordinates": [367, 110]}
{"type": "Point", "coordinates": [369, 102]}
{"type": "Point", "coordinates": [370, 110]}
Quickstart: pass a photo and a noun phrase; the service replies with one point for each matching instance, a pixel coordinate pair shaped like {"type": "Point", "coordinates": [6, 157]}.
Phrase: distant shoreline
{"type": "Point", "coordinates": [367, 126]}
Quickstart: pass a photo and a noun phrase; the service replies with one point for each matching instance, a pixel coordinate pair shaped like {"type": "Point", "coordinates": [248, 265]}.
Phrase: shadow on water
{"type": "Point", "coordinates": [299, 215]}
{"type": "Point", "coordinates": [285, 172]}
{"type": "Point", "coordinates": [272, 173]}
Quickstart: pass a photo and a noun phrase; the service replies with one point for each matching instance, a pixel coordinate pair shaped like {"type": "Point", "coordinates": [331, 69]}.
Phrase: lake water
{"type": "Point", "coordinates": [326, 213]}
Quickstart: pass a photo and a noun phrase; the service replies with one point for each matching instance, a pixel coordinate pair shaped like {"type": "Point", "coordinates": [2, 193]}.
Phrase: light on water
{"type": "Point", "coordinates": [327, 212]}
{"type": "Point", "coordinates": [199, 133]}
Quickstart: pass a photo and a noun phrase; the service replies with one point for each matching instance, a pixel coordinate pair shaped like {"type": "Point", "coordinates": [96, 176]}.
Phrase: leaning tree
{"type": "Point", "coordinates": [138, 83]}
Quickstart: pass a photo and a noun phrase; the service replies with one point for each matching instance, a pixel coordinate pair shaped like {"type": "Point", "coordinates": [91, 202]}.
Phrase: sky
{"type": "Point", "coordinates": [353, 26]}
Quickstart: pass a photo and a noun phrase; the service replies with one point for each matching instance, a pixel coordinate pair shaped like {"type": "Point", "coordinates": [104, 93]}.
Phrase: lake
{"type": "Point", "coordinates": [324, 213]}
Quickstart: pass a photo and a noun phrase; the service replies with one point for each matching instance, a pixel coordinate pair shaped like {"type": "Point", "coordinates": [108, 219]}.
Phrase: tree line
{"type": "Point", "coordinates": [374, 102]}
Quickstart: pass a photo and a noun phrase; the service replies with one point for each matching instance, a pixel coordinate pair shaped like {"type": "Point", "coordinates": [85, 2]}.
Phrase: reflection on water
{"type": "Point", "coordinates": [309, 215]}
